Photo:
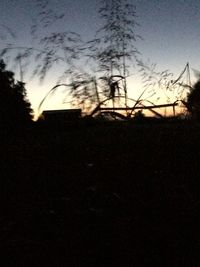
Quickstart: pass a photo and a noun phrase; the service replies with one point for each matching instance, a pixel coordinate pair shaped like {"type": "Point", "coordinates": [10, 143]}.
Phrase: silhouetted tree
{"type": "Point", "coordinates": [15, 110]}
{"type": "Point", "coordinates": [193, 101]}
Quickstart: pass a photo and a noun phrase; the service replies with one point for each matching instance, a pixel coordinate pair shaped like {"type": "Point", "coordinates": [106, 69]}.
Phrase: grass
{"type": "Point", "coordinates": [113, 194]}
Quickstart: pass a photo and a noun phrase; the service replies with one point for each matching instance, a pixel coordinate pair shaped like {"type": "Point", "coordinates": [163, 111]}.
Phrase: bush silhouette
{"type": "Point", "coordinates": [15, 110]}
{"type": "Point", "coordinates": [193, 101]}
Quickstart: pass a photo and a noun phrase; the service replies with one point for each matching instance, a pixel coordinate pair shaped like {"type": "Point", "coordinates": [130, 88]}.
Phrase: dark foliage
{"type": "Point", "coordinates": [193, 101]}
{"type": "Point", "coordinates": [128, 199]}
{"type": "Point", "coordinates": [15, 110]}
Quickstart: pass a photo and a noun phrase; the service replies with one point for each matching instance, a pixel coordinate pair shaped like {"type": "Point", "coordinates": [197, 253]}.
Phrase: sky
{"type": "Point", "coordinates": [169, 30]}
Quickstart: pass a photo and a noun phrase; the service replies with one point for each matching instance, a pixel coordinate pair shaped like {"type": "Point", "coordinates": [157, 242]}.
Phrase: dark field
{"type": "Point", "coordinates": [101, 195]}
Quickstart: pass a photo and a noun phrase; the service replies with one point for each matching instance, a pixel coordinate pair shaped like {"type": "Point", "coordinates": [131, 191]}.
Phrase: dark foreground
{"type": "Point", "coordinates": [108, 195]}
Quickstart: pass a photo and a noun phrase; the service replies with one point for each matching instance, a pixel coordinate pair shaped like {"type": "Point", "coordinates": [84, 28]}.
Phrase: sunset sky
{"type": "Point", "coordinates": [170, 32]}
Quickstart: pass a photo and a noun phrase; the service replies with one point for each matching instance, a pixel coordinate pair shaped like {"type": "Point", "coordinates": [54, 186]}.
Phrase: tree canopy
{"type": "Point", "coordinates": [15, 109]}
{"type": "Point", "coordinates": [193, 101]}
